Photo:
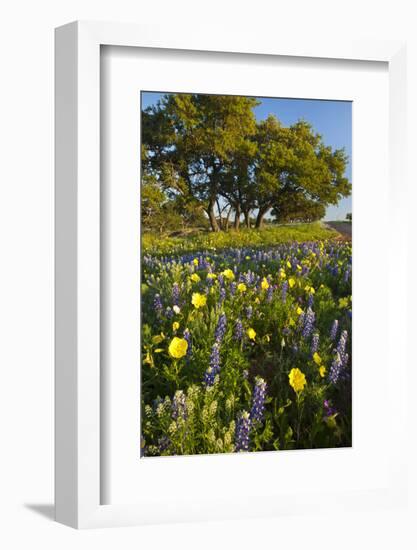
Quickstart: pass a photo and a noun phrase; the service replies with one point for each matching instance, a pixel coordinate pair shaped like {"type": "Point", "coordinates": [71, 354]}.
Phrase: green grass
{"type": "Point", "coordinates": [268, 236]}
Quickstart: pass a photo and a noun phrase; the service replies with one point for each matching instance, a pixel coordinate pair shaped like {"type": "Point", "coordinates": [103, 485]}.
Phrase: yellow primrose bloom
{"type": "Point", "coordinates": [211, 276]}
{"type": "Point", "coordinates": [257, 300]}
{"type": "Point", "coordinates": [312, 291]}
{"type": "Point", "coordinates": [317, 358]}
{"type": "Point", "coordinates": [247, 258]}
{"type": "Point", "coordinates": [178, 347]}
{"type": "Point", "coordinates": [291, 322]}
{"type": "Point", "coordinates": [264, 284]}
{"type": "Point", "coordinates": [289, 264]}
{"type": "Point", "coordinates": [158, 338]}
{"type": "Point", "coordinates": [343, 302]}
{"type": "Point", "coordinates": [158, 350]}
{"type": "Point", "coordinates": [307, 288]}
{"type": "Point", "coordinates": [175, 325]}
{"type": "Point", "coordinates": [282, 274]}
{"type": "Point", "coordinates": [297, 380]}
{"type": "Point", "coordinates": [195, 261]}
{"type": "Point", "coordinates": [241, 287]}
{"type": "Point", "coordinates": [299, 310]}
{"type": "Point", "coordinates": [198, 300]}
{"type": "Point", "coordinates": [228, 273]}
{"type": "Point", "coordinates": [299, 268]}
{"type": "Point", "coordinates": [322, 371]}
{"type": "Point", "coordinates": [251, 333]}
{"type": "Point", "coordinates": [291, 282]}
{"type": "Point", "coordinates": [195, 277]}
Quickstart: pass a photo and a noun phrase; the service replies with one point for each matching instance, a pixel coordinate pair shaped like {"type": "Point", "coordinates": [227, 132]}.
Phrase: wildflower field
{"type": "Point", "coordinates": [246, 342]}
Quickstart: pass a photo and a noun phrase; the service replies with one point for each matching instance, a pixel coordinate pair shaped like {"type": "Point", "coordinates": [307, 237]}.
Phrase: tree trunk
{"type": "Point", "coordinates": [237, 218]}
{"type": "Point", "coordinates": [212, 217]}
{"type": "Point", "coordinates": [246, 213]}
{"type": "Point", "coordinates": [260, 216]}
{"type": "Point", "coordinates": [228, 218]}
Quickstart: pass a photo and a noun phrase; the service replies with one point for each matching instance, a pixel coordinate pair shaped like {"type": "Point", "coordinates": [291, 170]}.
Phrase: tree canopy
{"type": "Point", "coordinates": [207, 157]}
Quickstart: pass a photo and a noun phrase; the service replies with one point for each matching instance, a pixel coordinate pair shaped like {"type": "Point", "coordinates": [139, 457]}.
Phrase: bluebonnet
{"type": "Point", "coordinates": [157, 304]}
{"type": "Point", "coordinates": [179, 405]}
{"type": "Point", "coordinates": [242, 430]}
{"type": "Point", "coordinates": [222, 296]}
{"type": "Point", "coordinates": [249, 311]}
{"type": "Point", "coordinates": [187, 337]}
{"type": "Point", "coordinates": [258, 402]}
{"type": "Point", "coordinates": [284, 291]}
{"type": "Point", "coordinates": [269, 293]}
{"type": "Point", "coordinates": [163, 443]}
{"type": "Point", "coordinates": [308, 323]}
{"type": "Point", "coordinates": [220, 328]}
{"type": "Point", "coordinates": [334, 329]}
{"type": "Point", "coordinates": [232, 288]}
{"type": "Point", "coordinates": [310, 300]}
{"type": "Point", "coordinates": [238, 332]}
{"type": "Point", "coordinates": [175, 294]}
{"type": "Point", "coordinates": [315, 343]}
{"type": "Point", "coordinates": [214, 365]}
{"type": "Point", "coordinates": [335, 369]}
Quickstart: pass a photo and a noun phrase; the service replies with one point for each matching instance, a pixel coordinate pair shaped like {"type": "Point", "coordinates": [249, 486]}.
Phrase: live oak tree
{"type": "Point", "coordinates": [208, 153]}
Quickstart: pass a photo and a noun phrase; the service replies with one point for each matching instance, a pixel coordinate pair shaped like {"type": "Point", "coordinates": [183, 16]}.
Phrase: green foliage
{"type": "Point", "coordinates": [181, 412]}
{"type": "Point", "coordinates": [208, 151]}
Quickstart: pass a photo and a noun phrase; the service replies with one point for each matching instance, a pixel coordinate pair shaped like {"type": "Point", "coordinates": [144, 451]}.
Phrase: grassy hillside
{"type": "Point", "coordinates": [268, 236]}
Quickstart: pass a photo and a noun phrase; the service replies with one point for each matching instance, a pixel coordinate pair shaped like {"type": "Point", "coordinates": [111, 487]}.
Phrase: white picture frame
{"type": "Point", "coordinates": [78, 411]}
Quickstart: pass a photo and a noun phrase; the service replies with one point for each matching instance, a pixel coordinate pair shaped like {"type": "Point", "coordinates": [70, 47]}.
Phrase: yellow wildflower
{"type": "Point", "coordinates": [158, 350]}
{"type": "Point", "coordinates": [195, 261]}
{"type": "Point", "coordinates": [247, 258]}
{"type": "Point", "coordinates": [297, 380]}
{"type": "Point", "coordinates": [291, 282]}
{"type": "Point", "coordinates": [158, 338]}
{"type": "Point", "coordinates": [312, 291]}
{"type": "Point", "coordinates": [175, 326]}
{"type": "Point", "coordinates": [299, 310]}
{"type": "Point", "coordinates": [322, 371]}
{"type": "Point", "coordinates": [289, 264]}
{"type": "Point", "coordinates": [299, 268]}
{"type": "Point", "coordinates": [317, 358]}
{"type": "Point", "coordinates": [195, 277]}
{"type": "Point", "coordinates": [211, 276]}
{"type": "Point", "coordinates": [251, 333]}
{"type": "Point", "coordinates": [178, 347]}
{"type": "Point", "coordinates": [198, 300]}
{"type": "Point", "coordinates": [307, 288]}
{"type": "Point", "coordinates": [228, 273]}
{"type": "Point", "coordinates": [282, 274]}
{"type": "Point", "coordinates": [343, 302]}
{"type": "Point", "coordinates": [264, 284]}
{"type": "Point", "coordinates": [241, 287]}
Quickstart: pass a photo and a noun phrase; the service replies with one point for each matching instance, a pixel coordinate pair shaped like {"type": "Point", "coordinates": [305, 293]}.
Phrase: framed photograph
{"type": "Point", "coordinates": [225, 327]}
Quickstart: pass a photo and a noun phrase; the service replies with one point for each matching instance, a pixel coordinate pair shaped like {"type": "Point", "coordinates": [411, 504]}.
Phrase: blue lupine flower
{"type": "Point", "coordinates": [308, 322]}
{"type": "Point", "coordinates": [163, 443]}
{"type": "Point", "coordinates": [284, 291]}
{"type": "Point", "coordinates": [169, 313]}
{"type": "Point", "coordinates": [341, 346]}
{"type": "Point", "coordinates": [187, 337]}
{"type": "Point", "coordinates": [335, 369]}
{"type": "Point", "coordinates": [334, 329]}
{"type": "Point", "coordinates": [222, 296]}
{"type": "Point", "coordinates": [179, 405]}
{"type": "Point", "coordinates": [175, 294]}
{"type": "Point", "coordinates": [232, 288]}
{"type": "Point", "coordinates": [315, 343]}
{"type": "Point", "coordinates": [258, 403]}
{"type": "Point", "coordinates": [157, 304]}
{"type": "Point", "coordinates": [269, 293]}
{"type": "Point", "coordinates": [238, 332]}
{"type": "Point", "coordinates": [242, 430]}
{"type": "Point", "coordinates": [214, 365]}
{"type": "Point", "coordinates": [220, 328]}
{"type": "Point", "coordinates": [249, 311]}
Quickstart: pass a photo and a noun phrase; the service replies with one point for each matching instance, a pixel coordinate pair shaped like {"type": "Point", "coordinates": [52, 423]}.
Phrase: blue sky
{"type": "Point", "coordinates": [331, 119]}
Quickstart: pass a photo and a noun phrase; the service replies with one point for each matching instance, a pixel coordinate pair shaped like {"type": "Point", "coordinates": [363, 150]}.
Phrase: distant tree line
{"type": "Point", "coordinates": [206, 159]}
